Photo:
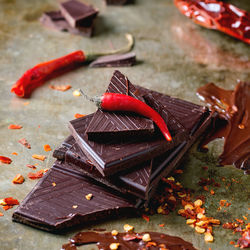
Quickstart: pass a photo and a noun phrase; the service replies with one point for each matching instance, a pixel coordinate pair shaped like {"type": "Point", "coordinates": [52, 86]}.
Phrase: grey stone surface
{"type": "Point", "coordinates": [175, 57]}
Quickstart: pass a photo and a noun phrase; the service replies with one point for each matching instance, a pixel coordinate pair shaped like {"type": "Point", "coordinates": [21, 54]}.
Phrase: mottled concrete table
{"type": "Point", "coordinates": [175, 57]}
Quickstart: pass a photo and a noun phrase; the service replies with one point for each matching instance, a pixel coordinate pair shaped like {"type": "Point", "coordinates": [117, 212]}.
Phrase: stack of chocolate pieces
{"type": "Point", "coordinates": [111, 163]}
{"type": "Point", "coordinates": [74, 16]}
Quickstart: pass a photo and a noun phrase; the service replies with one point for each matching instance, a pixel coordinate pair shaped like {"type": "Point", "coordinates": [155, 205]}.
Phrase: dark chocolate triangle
{"type": "Point", "coordinates": [62, 205]}
{"type": "Point", "coordinates": [105, 125]}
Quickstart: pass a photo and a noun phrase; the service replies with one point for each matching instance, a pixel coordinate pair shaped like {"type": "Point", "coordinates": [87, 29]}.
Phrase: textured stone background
{"type": "Point", "coordinates": [175, 57]}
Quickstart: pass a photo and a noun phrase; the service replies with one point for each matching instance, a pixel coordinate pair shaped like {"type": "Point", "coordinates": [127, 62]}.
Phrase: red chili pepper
{"type": "Point", "coordinates": [120, 102]}
{"type": "Point", "coordinates": [37, 75]}
{"type": "Point", "coordinates": [218, 15]}
{"type": "Point", "coordinates": [42, 72]}
{"type": "Point", "coordinates": [5, 160]}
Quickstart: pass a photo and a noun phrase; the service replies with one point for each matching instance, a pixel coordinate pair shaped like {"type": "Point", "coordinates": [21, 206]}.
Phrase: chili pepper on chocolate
{"type": "Point", "coordinates": [121, 102]}
{"type": "Point", "coordinates": [42, 72]}
{"type": "Point", "coordinates": [213, 14]}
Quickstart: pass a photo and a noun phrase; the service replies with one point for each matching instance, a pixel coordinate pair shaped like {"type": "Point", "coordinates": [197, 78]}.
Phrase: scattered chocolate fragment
{"type": "Point", "coordinates": [118, 60]}
{"type": "Point", "coordinates": [129, 241]}
{"type": "Point", "coordinates": [77, 13]}
{"type": "Point", "coordinates": [233, 107]}
{"type": "Point", "coordinates": [117, 2]}
{"type": "Point", "coordinates": [55, 20]}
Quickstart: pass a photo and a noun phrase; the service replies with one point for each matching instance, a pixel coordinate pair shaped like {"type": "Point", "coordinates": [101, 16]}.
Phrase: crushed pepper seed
{"type": "Point", "coordinates": [76, 93]}
{"type": "Point", "coordinates": [74, 206]}
{"type": "Point", "coordinates": [89, 196]}
{"type": "Point", "coordinates": [114, 232]}
{"type": "Point", "coordinates": [128, 228]}
{"type": "Point", "coordinates": [114, 246]}
{"type": "Point", "coordinates": [146, 237]}
{"type": "Point", "coordinates": [53, 184]}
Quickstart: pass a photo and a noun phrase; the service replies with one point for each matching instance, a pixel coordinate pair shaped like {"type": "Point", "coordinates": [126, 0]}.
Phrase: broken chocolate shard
{"type": "Point", "coordinates": [118, 2]}
{"type": "Point", "coordinates": [129, 241]}
{"type": "Point", "coordinates": [114, 156]}
{"type": "Point", "coordinates": [106, 125]}
{"type": "Point", "coordinates": [77, 13]}
{"type": "Point", "coordinates": [63, 205]}
{"type": "Point", "coordinates": [118, 60]}
{"type": "Point", "coordinates": [55, 20]}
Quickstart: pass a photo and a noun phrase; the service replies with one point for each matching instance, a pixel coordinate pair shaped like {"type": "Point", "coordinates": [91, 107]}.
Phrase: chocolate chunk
{"type": "Point", "coordinates": [129, 241]}
{"type": "Point", "coordinates": [58, 201]}
{"type": "Point", "coordinates": [78, 14]}
{"type": "Point", "coordinates": [114, 156]}
{"type": "Point", "coordinates": [55, 20]}
{"type": "Point", "coordinates": [118, 60]}
{"type": "Point", "coordinates": [106, 125]}
{"type": "Point", "coordinates": [117, 2]}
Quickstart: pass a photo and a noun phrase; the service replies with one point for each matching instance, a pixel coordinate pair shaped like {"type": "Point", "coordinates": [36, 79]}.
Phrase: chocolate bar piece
{"type": "Point", "coordinates": [118, 60]}
{"type": "Point", "coordinates": [106, 125]}
{"type": "Point", "coordinates": [55, 20]}
{"type": "Point", "coordinates": [114, 156]}
{"type": "Point", "coordinates": [117, 2]}
{"type": "Point", "coordinates": [78, 14]}
{"type": "Point", "coordinates": [141, 179]}
{"type": "Point", "coordinates": [58, 201]}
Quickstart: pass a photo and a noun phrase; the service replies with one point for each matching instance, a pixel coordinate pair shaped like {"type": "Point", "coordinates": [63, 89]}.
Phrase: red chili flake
{"type": "Point", "coordinates": [151, 243]}
{"type": "Point", "coordinates": [145, 217]}
{"type": "Point", "coordinates": [60, 87]}
{"type": "Point", "coordinates": [178, 171]}
{"type": "Point", "coordinates": [25, 143]}
{"type": "Point", "coordinates": [212, 192]}
{"type": "Point", "coordinates": [31, 166]}
{"type": "Point", "coordinates": [18, 179]}
{"type": "Point", "coordinates": [39, 157]}
{"type": "Point", "coordinates": [228, 204]}
{"type": "Point", "coordinates": [161, 225]}
{"type": "Point", "coordinates": [47, 147]}
{"type": "Point", "coordinates": [244, 217]}
{"type": "Point", "coordinates": [1, 214]}
{"type": "Point", "coordinates": [205, 188]}
{"type": "Point", "coordinates": [231, 242]}
{"type": "Point", "coordinates": [78, 115]}
{"type": "Point", "coordinates": [205, 168]}
{"type": "Point", "coordinates": [129, 237]}
{"type": "Point", "coordinates": [14, 126]}
{"type": "Point", "coordinates": [5, 160]}
{"type": "Point", "coordinates": [9, 201]}
{"type": "Point", "coordinates": [240, 221]}
{"type": "Point", "coordinates": [37, 175]}
{"type": "Point", "coordinates": [244, 241]}
{"type": "Point", "coordinates": [7, 207]}
{"type": "Point", "coordinates": [14, 153]}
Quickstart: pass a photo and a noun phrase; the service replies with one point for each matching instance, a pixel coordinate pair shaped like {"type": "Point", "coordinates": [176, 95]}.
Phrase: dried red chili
{"type": "Point", "coordinates": [60, 87]}
{"type": "Point", "coordinates": [19, 179]}
{"type": "Point", "coordinates": [47, 147]}
{"type": "Point", "coordinates": [5, 160]}
{"type": "Point", "coordinates": [37, 175]}
{"type": "Point", "coordinates": [42, 72]}
{"type": "Point", "coordinates": [9, 201]}
{"type": "Point", "coordinates": [78, 115]}
{"type": "Point", "coordinates": [121, 102]}
{"type": "Point", "coordinates": [39, 157]}
{"type": "Point", "coordinates": [217, 15]}
{"type": "Point", "coordinates": [14, 126]}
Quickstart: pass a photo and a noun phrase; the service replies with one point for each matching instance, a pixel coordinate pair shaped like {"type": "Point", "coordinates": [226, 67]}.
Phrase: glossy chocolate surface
{"type": "Point", "coordinates": [105, 125]}
{"type": "Point", "coordinates": [58, 201]}
{"type": "Point", "coordinates": [129, 241]}
{"type": "Point", "coordinates": [77, 13]}
{"type": "Point", "coordinates": [233, 107]}
{"type": "Point", "coordinates": [55, 20]}
{"type": "Point", "coordinates": [118, 60]}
